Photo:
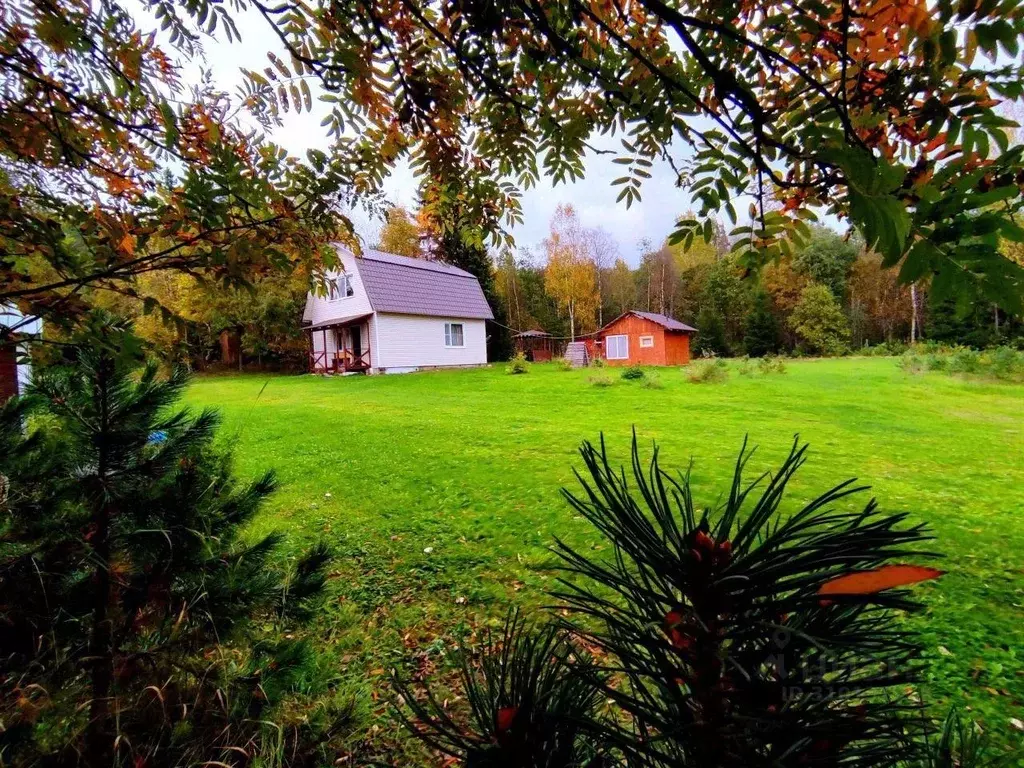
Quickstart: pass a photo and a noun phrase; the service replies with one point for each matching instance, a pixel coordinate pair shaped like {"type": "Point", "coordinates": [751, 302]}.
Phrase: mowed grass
{"type": "Point", "coordinates": [440, 493]}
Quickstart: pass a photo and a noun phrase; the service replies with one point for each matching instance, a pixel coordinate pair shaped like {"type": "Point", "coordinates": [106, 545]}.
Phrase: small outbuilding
{"type": "Point", "coordinates": [536, 345]}
{"type": "Point", "coordinates": [644, 338]}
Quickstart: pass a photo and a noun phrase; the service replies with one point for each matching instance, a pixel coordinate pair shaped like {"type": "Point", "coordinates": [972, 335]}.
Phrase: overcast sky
{"type": "Point", "coordinates": [593, 198]}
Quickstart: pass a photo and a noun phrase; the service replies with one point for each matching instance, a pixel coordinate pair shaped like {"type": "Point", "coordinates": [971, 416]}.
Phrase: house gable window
{"type": "Point", "coordinates": [616, 347]}
{"type": "Point", "coordinates": [340, 287]}
{"type": "Point", "coordinates": [646, 341]}
{"type": "Point", "coordinates": [453, 335]}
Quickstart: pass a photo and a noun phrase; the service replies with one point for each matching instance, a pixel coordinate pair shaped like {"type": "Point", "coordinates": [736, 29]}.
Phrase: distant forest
{"type": "Point", "coordinates": [833, 296]}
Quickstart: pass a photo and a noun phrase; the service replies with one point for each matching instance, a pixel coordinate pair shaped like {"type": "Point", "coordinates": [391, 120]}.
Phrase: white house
{"type": "Point", "coordinates": [393, 314]}
{"type": "Point", "coordinates": [15, 330]}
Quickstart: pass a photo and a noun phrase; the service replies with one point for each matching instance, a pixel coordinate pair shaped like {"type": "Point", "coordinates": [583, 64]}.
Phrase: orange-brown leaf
{"type": "Point", "coordinates": [878, 579]}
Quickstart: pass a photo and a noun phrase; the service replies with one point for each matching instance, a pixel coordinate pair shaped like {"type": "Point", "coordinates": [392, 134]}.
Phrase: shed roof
{"type": "Point", "coordinates": [419, 287]}
{"type": "Point", "coordinates": [533, 334]}
{"type": "Point", "coordinates": [666, 322]}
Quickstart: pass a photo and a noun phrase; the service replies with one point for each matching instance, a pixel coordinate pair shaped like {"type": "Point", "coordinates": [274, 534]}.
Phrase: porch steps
{"type": "Point", "coordinates": [576, 353]}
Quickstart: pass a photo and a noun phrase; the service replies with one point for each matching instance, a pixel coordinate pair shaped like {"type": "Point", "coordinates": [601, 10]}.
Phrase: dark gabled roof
{"type": "Point", "coordinates": [410, 286]}
{"type": "Point", "coordinates": [666, 322]}
{"type": "Point", "coordinates": [533, 334]}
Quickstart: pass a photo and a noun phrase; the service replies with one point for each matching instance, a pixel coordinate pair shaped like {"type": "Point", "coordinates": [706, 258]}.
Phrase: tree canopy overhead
{"type": "Point", "coordinates": [112, 166]}
{"type": "Point", "coordinates": [883, 112]}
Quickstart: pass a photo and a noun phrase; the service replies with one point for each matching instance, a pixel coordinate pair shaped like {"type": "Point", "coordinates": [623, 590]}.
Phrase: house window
{"type": "Point", "coordinates": [616, 347]}
{"type": "Point", "coordinates": [453, 336]}
{"type": "Point", "coordinates": [340, 287]}
{"type": "Point", "coordinates": [646, 341]}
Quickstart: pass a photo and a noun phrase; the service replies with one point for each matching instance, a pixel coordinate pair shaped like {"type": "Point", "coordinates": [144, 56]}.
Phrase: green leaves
{"type": "Point", "coordinates": [884, 222]}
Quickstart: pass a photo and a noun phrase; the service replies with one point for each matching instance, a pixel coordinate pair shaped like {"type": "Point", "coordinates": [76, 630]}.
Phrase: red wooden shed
{"type": "Point", "coordinates": [645, 338]}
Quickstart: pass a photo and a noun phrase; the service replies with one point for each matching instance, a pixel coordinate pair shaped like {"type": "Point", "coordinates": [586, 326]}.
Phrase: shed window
{"type": "Point", "coordinates": [646, 341]}
{"type": "Point", "coordinates": [340, 287]}
{"type": "Point", "coordinates": [616, 347]}
{"type": "Point", "coordinates": [453, 336]}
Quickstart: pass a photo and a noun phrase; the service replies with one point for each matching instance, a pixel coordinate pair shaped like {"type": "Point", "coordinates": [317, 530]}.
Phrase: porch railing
{"type": "Point", "coordinates": [348, 360]}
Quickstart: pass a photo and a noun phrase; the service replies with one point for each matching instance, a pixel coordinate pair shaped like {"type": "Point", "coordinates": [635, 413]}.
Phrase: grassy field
{"type": "Point", "coordinates": [440, 491]}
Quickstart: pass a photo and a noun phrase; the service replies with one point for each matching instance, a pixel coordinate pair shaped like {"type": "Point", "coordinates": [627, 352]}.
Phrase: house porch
{"type": "Point", "coordinates": [340, 346]}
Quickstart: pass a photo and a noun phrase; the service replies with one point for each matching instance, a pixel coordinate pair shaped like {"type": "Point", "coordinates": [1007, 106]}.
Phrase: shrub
{"type": "Point", "coordinates": [707, 371]}
{"type": "Point", "coordinates": [736, 632]}
{"type": "Point", "coordinates": [632, 373]}
{"type": "Point", "coordinates": [563, 364]}
{"type": "Point", "coordinates": [819, 322]}
{"type": "Point", "coordinates": [653, 381]}
{"type": "Point", "coordinates": [518, 365]}
{"type": "Point", "coordinates": [771, 364]}
{"type": "Point", "coordinates": [745, 367]}
{"type": "Point", "coordinates": [1006, 363]}
{"type": "Point", "coordinates": [936, 361]}
{"type": "Point", "coordinates": [598, 362]}
{"type": "Point", "coordinates": [891, 348]}
{"type": "Point", "coordinates": [601, 380]}
{"type": "Point", "coordinates": [531, 691]}
{"type": "Point", "coordinates": [964, 360]}
{"type": "Point", "coordinates": [911, 363]}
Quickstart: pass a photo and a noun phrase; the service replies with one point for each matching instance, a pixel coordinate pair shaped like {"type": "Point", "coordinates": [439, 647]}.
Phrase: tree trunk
{"type": "Point", "coordinates": [913, 313]}
{"type": "Point", "coordinates": [99, 739]}
{"type": "Point", "coordinates": [572, 321]}
{"type": "Point", "coordinates": [995, 314]}
{"type": "Point", "coordinates": [661, 290]}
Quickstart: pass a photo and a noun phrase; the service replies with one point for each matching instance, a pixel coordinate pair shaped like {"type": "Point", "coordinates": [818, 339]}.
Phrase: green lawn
{"type": "Point", "coordinates": [440, 491]}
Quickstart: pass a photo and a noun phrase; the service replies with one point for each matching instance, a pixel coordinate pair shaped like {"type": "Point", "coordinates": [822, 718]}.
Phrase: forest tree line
{"type": "Point", "coordinates": [831, 297]}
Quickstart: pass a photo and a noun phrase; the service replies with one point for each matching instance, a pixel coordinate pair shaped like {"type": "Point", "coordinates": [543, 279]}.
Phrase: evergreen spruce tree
{"type": "Point", "coordinates": [971, 326]}
{"type": "Point", "coordinates": [137, 627]}
{"type": "Point", "coordinates": [762, 329]}
{"type": "Point", "coordinates": [710, 333]}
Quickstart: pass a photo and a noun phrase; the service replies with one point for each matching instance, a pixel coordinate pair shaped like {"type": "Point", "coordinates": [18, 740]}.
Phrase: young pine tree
{"type": "Point", "coordinates": [762, 329]}
{"type": "Point", "coordinates": [710, 334]}
{"type": "Point", "coordinates": [728, 636]}
{"type": "Point", "coordinates": [129, 603]}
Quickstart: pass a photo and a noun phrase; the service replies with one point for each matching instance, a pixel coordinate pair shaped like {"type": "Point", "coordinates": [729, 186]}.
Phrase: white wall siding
{"type": "Point", "coordinates": [321, 309]}
{"type": "Point", "coordinates": [415, 341]}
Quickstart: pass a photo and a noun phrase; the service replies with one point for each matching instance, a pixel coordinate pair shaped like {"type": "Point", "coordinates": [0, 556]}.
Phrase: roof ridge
{"type": "Point", "coordinates": [413, 262]}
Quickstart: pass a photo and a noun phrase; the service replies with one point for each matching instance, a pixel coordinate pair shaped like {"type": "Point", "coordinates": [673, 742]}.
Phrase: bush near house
{"type": "Point", "coordinates": [518, 365]}
{"type": "Point", "coordinates": [632, 373]}
{"type": "Point", "coordinates": [710, 370]}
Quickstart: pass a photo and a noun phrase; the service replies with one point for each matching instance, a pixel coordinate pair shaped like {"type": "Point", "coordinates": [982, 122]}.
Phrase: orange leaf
{"type": "Point", "coordinates": [127, 244]}
{"type": "Point", "coordinates": [878, 579]}
{"type": "Point", "coordinates": [506, 715]}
